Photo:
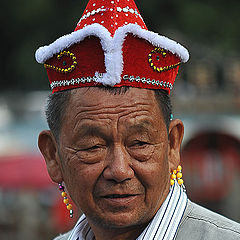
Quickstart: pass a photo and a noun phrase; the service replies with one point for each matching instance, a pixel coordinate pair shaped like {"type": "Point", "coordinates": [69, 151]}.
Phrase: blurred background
{"type": "Point", "coordinates": [206, 98]}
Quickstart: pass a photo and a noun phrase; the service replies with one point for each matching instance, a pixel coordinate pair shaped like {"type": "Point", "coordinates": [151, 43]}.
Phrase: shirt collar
{"type": "Point", "coordinates": [164, 225]}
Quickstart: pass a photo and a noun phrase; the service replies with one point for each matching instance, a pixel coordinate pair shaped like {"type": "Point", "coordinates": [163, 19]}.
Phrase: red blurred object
{"type": "Point", "coordinates": [210, 162]}
{"type": "Point", "coordinates": [23, 171]}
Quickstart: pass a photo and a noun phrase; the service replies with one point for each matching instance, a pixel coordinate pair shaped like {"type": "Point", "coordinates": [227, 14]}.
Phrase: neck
{"type": "Point", "coordinates": [130, 233]}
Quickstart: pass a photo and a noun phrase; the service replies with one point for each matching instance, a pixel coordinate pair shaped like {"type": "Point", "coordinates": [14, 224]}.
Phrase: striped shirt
{"type": "Point", "coordinates": [163, 226]}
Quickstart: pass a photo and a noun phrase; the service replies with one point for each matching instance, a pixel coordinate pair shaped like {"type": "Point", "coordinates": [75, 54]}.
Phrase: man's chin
{"type": "Point", "coordinates": [118, 221]}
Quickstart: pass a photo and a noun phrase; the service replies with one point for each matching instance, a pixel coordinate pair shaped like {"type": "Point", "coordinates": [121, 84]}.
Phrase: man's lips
{"type": "Point", "coordinates": [119, 195]}
{"type": "Point", "coordinates": [120, 199]}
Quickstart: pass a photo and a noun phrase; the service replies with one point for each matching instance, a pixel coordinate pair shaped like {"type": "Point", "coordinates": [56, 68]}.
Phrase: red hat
{"type": "Point", "coordinates": [112, 46]}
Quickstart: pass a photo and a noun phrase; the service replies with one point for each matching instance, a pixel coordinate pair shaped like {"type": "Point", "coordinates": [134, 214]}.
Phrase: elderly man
{"type": "Point", "coordinates": [112, 139]}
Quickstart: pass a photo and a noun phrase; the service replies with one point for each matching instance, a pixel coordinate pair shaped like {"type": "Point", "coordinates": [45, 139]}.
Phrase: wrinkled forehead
{"type": "Point", "coordinates": [96, 104]}
{"type": "Point", "coordinates": [96, 110]}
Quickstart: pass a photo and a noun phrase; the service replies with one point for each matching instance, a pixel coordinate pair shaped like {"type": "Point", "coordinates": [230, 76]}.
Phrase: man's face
{"type": "Point", "coordinates": [114, 155]}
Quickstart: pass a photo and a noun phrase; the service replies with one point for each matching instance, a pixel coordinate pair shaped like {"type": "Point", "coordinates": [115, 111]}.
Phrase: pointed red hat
{"type": "Point", "coordinates": [112, 46]}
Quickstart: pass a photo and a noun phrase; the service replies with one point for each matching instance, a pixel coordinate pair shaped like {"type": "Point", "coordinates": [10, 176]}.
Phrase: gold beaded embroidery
{"type": "Point", "coordinates": [163, 53]}
{"type": "Point", "coordinates": [64, 70]}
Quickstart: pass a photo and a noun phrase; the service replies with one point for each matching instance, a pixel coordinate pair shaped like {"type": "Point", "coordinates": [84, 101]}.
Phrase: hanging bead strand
{"type": "Point", "coordinates": [176, 175]}
{"type": "Point", "coordinates": [65, 199]}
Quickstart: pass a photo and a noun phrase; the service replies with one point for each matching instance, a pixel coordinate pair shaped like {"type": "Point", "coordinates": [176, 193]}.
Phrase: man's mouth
{"type": "Point", "coordinates": [120, 200]}
{"type": "Point", "coordinates": [119, 195]}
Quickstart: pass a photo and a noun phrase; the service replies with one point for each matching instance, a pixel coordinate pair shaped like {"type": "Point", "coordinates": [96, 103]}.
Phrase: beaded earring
{"type": "Point", "coordinates": [65, 199]}
{"type": "Point", "coordinates": [176, 175]}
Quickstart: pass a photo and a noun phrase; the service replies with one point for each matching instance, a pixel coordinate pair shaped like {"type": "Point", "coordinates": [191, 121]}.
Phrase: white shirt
{"type": "Point", "coordinates": [163, 226]}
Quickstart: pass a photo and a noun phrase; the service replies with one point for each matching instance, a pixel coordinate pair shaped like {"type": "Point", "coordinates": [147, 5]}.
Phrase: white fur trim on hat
{"type": "Point", "coordinates": [112, 47]}
{"type": "Point", "coordinates": [46, 52]}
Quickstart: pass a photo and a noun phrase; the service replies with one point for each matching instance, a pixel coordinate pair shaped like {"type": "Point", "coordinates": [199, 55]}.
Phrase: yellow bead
{"type": "Point", "coordinates": [69, 207]}
{"type": "Point", "coordinates": [179, 168]}
{"type": "Point", "coordinates": [173, 176]}
{"type": "Point", "coordinates": [64, 194]}
{"type": "Point", "coordinates": [175, 171]}
{"type": "Point", "coordinates": [172, 182]}
{"type": "Point", "coordinates": [179, 175]}
{"type": "Point", "coordinates": [180, 181]}
{"type": "Point", "coordinates": [74, 63]}
{"type": "Point", "coordinates": [66, 201]}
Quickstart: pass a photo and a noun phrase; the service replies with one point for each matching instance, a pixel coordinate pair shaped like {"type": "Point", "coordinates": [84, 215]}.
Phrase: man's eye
{"type": "Point", "coordinates": [139, 144]}
{"type": "Point", "coordinates": [92, 148]}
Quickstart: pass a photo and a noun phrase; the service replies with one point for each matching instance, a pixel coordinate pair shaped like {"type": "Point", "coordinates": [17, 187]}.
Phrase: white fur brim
{"type": "Point", "coordinates": [112, 47]}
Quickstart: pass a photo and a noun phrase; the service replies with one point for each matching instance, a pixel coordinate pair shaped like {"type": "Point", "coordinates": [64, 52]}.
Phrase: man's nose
{"type": "Point", "coordinates": [118, 165]}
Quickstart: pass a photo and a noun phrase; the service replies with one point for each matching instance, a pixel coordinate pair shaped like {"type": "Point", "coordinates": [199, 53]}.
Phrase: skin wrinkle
{"type": "Point", "coordinates": [115, 110]}
{"type": "Point", "coordinates": [105, 115]}
{"type": "Point", "coordinates": [76, 151]}
{"type": "Point", "coordinates": [120, 146]}
{"type": "Point", "coordinates": [96, 131]}
{"type": "Point", "coordinates": [58, 102]}
{"type": "Point", "coordinates": [97, 115]}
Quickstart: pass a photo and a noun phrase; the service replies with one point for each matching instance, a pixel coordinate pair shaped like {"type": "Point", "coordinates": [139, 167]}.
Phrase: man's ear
{"type": "Point", "coordinates": [49, 149]}
{"type": "Point", "coordinates": [176, 132]}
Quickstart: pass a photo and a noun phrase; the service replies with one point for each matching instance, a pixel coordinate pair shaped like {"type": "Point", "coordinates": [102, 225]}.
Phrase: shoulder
{"type": "Point", "coordinates": [63, 236]}
{"type": "Point", "coordinates": [201, 223]}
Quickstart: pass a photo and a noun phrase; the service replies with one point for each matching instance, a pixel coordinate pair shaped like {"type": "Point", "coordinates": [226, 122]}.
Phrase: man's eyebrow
{"type": "Point", "coordinates": [140, 126]}
{"type": "Point", "coordinates": [90, 130]}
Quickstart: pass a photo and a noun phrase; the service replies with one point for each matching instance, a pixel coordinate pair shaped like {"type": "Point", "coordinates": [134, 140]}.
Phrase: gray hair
{"type": "Point", "coordinates": [57, 103]}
